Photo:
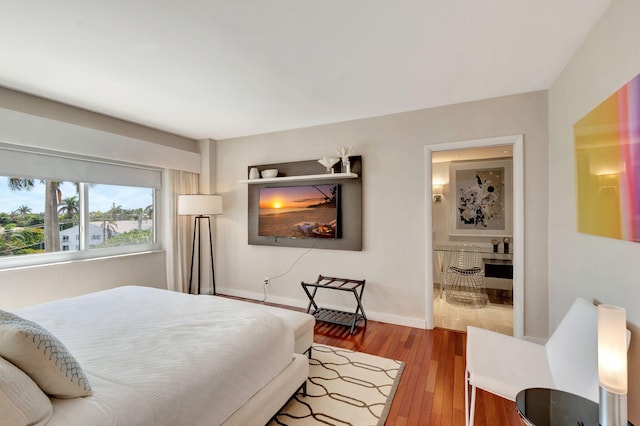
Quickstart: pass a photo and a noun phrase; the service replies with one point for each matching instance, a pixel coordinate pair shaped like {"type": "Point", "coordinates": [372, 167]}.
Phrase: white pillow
{"type": "Point", "coordinates": [22, 402]}
{"type": "Point", "coordinates": [42, 356]}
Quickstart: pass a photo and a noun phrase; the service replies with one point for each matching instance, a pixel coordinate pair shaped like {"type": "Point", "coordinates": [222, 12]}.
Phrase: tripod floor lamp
{"type": "Point", "coordinates": [202, 207]}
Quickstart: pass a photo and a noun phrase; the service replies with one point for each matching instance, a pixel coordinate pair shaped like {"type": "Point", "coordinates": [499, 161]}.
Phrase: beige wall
{"type": "Point", "coordinates": [29, 286]}
{"type": "Point", "coordinates": [596, 268]}
{"type": "Point", "coordinates": [393, 258]}
{"type": "Point", "coordinates": [25, 286]}
{"type": "Point", "coordinates": [22, 102]}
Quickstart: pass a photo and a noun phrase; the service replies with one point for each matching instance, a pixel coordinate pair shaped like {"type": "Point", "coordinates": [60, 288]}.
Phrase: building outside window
{"type": "Point", "coordinates": [117, 216]}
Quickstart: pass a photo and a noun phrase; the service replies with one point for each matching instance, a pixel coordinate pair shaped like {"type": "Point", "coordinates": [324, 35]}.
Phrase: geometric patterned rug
{"type": "Point", "coordinates": [344, 388]}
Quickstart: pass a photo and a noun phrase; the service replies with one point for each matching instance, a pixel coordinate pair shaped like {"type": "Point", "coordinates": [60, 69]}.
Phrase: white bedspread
{"type": "Point", "coordinates": [183, 359]}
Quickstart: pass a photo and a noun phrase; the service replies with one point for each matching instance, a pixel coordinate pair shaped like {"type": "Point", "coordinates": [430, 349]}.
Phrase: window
{"type": "Point", "coordinates": [106, 208]}
{"type": "Point", "coordinates": [117, 215]}
{"type": "Point", "coordinates": [120, 216]}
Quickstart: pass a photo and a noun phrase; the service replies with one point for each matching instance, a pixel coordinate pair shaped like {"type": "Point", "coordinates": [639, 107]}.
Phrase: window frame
{"type": "Point", "coordinates": [84, 253]}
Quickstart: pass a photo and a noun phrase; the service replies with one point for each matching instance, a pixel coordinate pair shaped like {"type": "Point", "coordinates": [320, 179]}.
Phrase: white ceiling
{"type": "Point", "coordinates": [226, 68]}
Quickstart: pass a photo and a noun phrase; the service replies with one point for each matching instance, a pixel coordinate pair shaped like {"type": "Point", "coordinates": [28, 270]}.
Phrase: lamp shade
{"type": "Point", "coordinates": [612, 348]}
{"type": "Point", "coordinates": [201, 204]}
{"type": "Point", "coordinates": [437, 189]}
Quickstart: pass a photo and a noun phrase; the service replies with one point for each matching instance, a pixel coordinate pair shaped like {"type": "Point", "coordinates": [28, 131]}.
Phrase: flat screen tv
{"type": "Point", "coordinates": [309, 211]}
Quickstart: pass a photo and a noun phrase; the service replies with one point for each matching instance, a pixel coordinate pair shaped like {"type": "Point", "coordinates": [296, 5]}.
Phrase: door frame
{"type": "Point", "coordinates": [516, 142]}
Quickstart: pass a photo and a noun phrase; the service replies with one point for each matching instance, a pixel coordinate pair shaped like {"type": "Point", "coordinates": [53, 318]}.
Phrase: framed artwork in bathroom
{"type": "Point", "coordinates": [481, 198]}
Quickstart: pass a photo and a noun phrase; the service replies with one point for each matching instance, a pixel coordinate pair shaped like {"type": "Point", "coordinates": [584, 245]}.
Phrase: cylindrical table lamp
{"type": "Point", "coordinates": [612, 365]}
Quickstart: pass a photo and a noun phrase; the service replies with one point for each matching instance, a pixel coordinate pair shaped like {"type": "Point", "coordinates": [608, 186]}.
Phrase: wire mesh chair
{"type": "Point", "coordinates": [464, 278]}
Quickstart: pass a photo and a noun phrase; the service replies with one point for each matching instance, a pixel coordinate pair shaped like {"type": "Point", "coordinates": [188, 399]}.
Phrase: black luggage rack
{"type": "Point", "coordinates": [349, 319]}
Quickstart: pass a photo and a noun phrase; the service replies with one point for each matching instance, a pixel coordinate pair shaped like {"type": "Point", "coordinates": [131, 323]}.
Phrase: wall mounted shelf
{"type": "Point", "coordinates": [302, 177]}
{"type": "Point", "coordinates": [310, 172]}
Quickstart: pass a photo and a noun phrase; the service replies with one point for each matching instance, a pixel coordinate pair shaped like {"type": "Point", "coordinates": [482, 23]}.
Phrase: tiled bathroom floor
{"type": "Point", "coordinates": [495, 316]}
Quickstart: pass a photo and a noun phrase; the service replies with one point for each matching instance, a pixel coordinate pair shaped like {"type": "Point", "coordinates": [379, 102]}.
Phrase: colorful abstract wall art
{"type": "Point", "coordinates": [607, 147]}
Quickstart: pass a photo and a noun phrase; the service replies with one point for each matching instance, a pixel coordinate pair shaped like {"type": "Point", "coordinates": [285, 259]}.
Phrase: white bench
{"type": "Point", "coordinates": [301, 323]}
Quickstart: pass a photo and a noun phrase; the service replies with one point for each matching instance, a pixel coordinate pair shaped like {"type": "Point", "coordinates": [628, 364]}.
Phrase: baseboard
{"type": "Point", "coordinates": [296, 303]}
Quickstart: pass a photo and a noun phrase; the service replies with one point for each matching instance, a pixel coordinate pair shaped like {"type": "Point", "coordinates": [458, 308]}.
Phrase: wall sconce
{"type": "Point", "coordinates": [612, 365]}
{"type": "Point", "coordinates": [437, 193]}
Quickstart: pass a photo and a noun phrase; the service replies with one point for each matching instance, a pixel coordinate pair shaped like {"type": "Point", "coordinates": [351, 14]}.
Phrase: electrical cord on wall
{"type": "Point", "coordinates": [267, 280]}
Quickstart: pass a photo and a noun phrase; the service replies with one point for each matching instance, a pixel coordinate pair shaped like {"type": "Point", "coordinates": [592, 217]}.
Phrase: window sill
{"type": "Point", "coordinates": [50, 259]}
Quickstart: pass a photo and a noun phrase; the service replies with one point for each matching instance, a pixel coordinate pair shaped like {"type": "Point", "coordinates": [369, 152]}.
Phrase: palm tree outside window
{"type": "Point", "coordinates": [37, 216]}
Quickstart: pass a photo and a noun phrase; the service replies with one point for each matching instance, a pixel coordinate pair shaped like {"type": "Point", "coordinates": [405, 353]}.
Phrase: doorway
{"type": "Point", "coordinates": [436, 179]}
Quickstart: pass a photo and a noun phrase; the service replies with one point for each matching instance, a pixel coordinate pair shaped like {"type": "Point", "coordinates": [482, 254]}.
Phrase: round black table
{"type": "Point", "coordinates": [549, 407]}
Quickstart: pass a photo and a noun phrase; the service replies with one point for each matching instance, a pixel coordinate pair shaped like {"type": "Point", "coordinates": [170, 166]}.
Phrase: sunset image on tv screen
{"type": "Point", "coordinates": [299, 211]}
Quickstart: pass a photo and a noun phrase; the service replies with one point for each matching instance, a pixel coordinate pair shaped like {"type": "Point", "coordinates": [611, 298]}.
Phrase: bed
{"type": "Point", "coordinates": [156, 357]}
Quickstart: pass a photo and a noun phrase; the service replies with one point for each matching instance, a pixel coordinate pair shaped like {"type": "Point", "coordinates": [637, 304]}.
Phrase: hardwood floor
{"type": "Point", "coordinates": [431, 390]}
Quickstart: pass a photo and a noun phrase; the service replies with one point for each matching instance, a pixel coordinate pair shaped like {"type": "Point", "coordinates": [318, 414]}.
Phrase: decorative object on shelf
{"type": "Point", "coordinates": [300, 178]}
{"type": "Point", "coordinates": [200, 206]}
{"type": "Point", "coordinates": [495, 243]}
{"type": "Point", "coordinates": [254, 173]}
{"type": "Point", "coordinates": [505, 241]}
{"type": "Point", "coordinates": [612, 365]}
{"type": "Point", "coordinates": [345, 152]}
{"type": "Point", "coordinates": [329, 162]}
{"type": "Point", "coordinates": [437, 193]}
{"type": "Point", "coordinates": [269, 173]}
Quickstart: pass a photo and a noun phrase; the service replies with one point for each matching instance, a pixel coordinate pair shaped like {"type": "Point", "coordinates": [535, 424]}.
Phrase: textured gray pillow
{"type": "Point", "coordinates": [42, 356]}
{"type": "Point", "coordinates": [22, 402]}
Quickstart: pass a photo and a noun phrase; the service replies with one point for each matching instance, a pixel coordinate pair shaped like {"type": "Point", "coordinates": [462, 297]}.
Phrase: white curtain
{"type": "Point", "coordinates": [178, 229]}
